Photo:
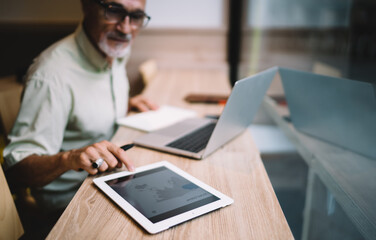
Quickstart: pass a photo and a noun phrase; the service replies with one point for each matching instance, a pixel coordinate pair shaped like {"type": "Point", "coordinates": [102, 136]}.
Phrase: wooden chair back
{"type": "Point", "coordinates": [10, 100]}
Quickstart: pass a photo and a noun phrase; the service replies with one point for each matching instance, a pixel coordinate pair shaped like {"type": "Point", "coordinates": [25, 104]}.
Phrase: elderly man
{"type": "Point", "coordinates": [75, 91]}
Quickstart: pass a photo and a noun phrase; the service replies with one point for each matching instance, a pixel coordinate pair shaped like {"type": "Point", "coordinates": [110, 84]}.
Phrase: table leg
{"type": "Point", "coordinates": [323, 217]}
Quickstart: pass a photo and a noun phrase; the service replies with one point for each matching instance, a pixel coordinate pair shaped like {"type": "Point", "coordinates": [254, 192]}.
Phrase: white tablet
{"type": "Point", "coordinates": [160, 195]}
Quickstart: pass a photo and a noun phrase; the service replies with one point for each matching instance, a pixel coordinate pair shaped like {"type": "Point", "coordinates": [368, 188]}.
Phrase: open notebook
{"type": "Point", "coordinates": [154, 120]}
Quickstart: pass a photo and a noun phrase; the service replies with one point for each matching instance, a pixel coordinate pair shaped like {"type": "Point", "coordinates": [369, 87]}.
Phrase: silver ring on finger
{"type": "Point", "coordinates": [97, 163]}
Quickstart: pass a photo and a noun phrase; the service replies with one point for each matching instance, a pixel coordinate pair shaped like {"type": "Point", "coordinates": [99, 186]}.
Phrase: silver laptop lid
{"type": "Point", "coordinates": [240, 109]}
{"type": "Point", "coordinates": [338, 110]}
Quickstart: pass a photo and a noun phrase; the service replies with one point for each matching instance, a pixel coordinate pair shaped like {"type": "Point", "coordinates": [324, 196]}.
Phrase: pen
{"type": "Point", "coordinates": [100, 161]}
{"type": "Point", "coordinates": [127, 146]}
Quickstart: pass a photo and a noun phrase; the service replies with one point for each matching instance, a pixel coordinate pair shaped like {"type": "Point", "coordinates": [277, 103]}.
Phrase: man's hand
{"type": "Point", "coordinates": [113, 156]}
{"type": "Point", "coordinates": [142, 104]}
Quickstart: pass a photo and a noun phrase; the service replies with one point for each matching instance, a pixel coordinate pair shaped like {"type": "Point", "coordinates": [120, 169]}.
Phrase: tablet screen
{"type": "Point", "coordinates": [160, 193]}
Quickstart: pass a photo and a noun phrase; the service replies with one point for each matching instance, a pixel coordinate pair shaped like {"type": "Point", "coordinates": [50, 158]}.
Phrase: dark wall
{"type": "Point", "coordinates": [21, 43]}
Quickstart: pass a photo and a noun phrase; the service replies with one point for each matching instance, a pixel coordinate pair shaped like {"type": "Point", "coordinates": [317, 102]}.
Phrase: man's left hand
{"type": "Point", "coordinates": [142, 104]}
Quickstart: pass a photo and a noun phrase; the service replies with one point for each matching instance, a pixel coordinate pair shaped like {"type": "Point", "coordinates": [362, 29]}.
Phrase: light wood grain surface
{"type": "Point", "coordinates": [235, 169]}
{"type": "Point", "coordinates": [10, 224]}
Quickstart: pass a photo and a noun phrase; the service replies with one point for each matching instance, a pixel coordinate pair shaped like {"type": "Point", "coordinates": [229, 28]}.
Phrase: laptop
{"type": "Point", "coordinates": [199, 137]}
{"type": "Point", "coordinates": [337, 110]}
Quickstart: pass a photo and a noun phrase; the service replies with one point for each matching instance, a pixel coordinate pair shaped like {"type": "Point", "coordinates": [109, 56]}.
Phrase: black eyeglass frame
{"type": "Point", "coordinates": [107, 6]}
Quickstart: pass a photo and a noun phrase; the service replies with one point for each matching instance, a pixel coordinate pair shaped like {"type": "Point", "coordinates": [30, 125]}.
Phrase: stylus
{"type": "Point", "coordinates": [124, 147]}
{"type": "Point", "coordinates": [127, 146]}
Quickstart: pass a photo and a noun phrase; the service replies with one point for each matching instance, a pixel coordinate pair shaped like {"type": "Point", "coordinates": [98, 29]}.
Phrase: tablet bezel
{"type": "Point", "coordinates": [153, 228]}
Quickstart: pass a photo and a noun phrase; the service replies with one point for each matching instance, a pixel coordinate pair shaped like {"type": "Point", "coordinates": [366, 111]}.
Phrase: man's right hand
{"type": "Point", "coordinates": [83, 158]}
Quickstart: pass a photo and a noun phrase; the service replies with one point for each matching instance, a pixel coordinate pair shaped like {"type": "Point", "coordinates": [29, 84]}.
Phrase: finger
{"type": "Point", "coordinates": [110, 160]}
{"type": "Point", "coordinates": [87, 166]}
{"type": "Point", "coordinates": [119, 165]}
{"type": "Point", "coordinates": [99, 150]}
{"type": "Point", "coordinates": [103, 167]}
{"type": "Point", "coordinates": [121, 156]}
{"type": "Point", "coordinates": [141, 106]}
{"type": "Point", "coordinates": [97, 163]}
{"type": "Point", "coordinates": [150, 105]}
{"type": "Point", "coordinates": [92, 155]}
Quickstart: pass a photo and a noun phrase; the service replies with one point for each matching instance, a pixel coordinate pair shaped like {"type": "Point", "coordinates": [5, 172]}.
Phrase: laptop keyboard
{"type": "Point", "coordinates": [195, 141]}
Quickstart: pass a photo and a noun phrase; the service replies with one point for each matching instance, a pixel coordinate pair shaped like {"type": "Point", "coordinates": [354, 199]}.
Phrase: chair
{"type": "Point", "coordinates": [10, 224]}
{"type": "Point", "coordinates": [10, 100]}
{"type": "Point", "coordinates": [148, 71]}
{"type": "Point", "coordinates": [140, 74]}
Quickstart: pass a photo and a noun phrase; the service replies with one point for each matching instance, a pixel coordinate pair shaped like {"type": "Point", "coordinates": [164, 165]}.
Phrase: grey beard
{"type": "Point", "coordinates": [117, 52]}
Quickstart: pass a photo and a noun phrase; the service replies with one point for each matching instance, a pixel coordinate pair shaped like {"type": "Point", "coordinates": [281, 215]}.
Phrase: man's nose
{"type": "Point", "coordinates": [125, 25]}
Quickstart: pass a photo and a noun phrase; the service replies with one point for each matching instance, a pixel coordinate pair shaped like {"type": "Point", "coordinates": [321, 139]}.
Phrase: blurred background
{"type": "Point", "coordinates": [246, 35]}
{"type": "Point", "coordinates": [331, 37]}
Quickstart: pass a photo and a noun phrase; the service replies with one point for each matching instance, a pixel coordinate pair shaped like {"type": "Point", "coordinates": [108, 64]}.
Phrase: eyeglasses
{"type": "Point", "coordinates": [115, 14]}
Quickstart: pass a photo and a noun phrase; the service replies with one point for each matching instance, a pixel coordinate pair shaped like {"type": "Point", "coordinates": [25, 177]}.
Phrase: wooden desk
{"type": "Point", "coordinates": [236, 170]}
{"type": "Point", "coordinates": [347, 178]}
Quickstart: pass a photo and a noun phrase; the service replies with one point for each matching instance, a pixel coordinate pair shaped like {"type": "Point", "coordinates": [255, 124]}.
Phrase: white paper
{"type": "Point", "coordinates": [154, 120]}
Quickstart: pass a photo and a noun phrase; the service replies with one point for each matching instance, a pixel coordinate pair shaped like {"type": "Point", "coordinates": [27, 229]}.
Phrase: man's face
{"type": "Point", "coordinates": [109, 27]}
